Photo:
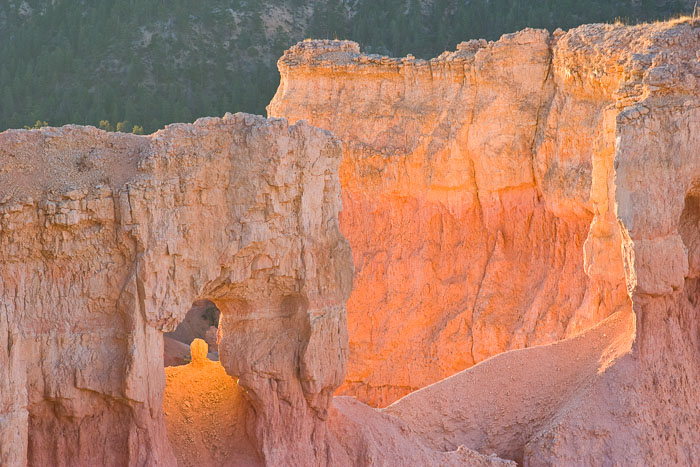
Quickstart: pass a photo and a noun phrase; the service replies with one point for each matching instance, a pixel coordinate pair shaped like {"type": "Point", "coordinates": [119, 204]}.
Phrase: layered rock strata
{"type": "Point", "coordinates": [478, 186]}
{"type": "Point", "coordinates": [107, 239]}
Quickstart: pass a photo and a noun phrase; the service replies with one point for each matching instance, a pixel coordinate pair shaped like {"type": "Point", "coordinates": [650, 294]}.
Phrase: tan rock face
{"type": "Point", "coordinates": [108, 239]}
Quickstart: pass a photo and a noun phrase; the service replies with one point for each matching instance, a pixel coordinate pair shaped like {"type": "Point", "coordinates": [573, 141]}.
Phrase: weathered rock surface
{"type": "Point", "coordinates": [626, 391]}
{"type": "Point", "coordinates": [476, 187]}
{"type": "Point", "coordinates": [535, 190]}
{"type": "Point", "coordinates": [516, 193]}
{"type": "Point", "coordinates": [99, 258]}
{"type": "Point", "coordinates": [106, 240]}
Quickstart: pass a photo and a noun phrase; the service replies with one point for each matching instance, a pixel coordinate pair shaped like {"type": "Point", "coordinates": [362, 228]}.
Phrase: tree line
{"type": "Point", "coordinates": [153, 62]}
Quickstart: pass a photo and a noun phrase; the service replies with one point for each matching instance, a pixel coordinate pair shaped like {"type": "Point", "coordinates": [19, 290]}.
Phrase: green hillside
{"type": "Point", "coordinates": [153, 62]}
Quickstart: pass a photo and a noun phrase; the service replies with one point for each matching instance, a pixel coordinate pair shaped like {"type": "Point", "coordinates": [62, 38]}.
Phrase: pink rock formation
{"type": "Point", "coordinates": [535, 190]}
{"type": "Point", "coordinates": [108, 238]}
{"type": "Point", "coordinates": [475, 188]}
{"type": "Point", "coordinates": [106, 241]}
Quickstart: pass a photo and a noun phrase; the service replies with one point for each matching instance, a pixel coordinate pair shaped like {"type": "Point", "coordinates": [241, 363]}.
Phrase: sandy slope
{"type": "Point", "coordinates": [501, 403]}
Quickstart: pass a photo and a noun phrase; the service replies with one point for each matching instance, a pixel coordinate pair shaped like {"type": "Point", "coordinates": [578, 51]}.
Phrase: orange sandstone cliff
{"type": "Point", "coordinates": [479, 186]}
{"type": "Point", "coordinates": [626, 391]}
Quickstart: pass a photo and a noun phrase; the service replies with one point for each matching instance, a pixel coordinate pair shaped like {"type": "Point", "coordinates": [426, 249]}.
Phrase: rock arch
{"type": "Point", "coordinates": [112, 257]}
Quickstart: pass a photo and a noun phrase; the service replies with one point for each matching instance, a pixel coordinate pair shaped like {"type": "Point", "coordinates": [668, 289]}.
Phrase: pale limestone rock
{"type": "Point", "coordinates": [106, 240]}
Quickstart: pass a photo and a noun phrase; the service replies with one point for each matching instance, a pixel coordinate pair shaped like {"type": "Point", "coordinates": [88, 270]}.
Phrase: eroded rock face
{"type": "Point", "coordinates": [563, 207]}
{"type": "Point", "coordinates": [465, 235]}
{"type": "Point", "coordinates": [478, 188]}
{"type": "Point", "coordinates": [599, 129]}
{"type": "Point", "coordinates": [107, 239]}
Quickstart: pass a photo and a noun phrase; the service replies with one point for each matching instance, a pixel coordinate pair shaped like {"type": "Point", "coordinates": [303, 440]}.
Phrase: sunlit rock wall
{"type": "Point", "coordinates": [623, 392]}
{"type": "Point", "coordinates": [473, 183]}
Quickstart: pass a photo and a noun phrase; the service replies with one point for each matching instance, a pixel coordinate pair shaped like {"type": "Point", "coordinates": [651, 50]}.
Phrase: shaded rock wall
{"type": "Point", "coordinates": [107, 239]}
{"type": "Point", "coordinates": [475, 188]}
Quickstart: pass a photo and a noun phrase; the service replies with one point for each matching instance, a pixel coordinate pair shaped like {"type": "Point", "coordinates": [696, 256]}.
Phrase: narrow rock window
{"type": "Point", "coordinates": [201, 322]}
{"type": "Point", "coordinates": [205, 409]}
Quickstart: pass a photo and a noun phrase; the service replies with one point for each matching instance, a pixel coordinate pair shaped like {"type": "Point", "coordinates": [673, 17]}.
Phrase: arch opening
{"type": "Point", "coordinates": [201, 322]}
{"type": "Point", "coordinates": [206, 412]}
{"type": "Point", "coordinates": [689, 229]}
